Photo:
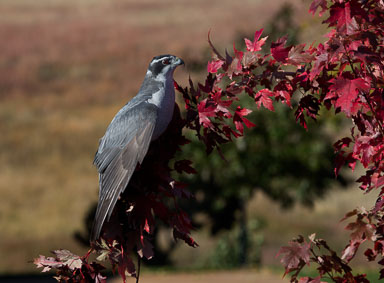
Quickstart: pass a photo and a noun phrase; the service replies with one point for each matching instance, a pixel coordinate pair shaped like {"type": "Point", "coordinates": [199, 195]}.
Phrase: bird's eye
{"type": "Point", "coordinates": [166, 62]}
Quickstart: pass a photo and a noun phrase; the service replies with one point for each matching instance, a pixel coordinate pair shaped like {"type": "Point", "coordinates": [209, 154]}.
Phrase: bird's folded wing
{"type": "Point", "coordinates": [124, 144]}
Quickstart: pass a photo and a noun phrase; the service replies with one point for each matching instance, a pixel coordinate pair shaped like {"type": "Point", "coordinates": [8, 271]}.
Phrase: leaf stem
{"type": "Point", "coordinates": [318, 262]}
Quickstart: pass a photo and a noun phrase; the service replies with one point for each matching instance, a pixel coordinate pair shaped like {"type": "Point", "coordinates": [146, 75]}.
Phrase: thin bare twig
{"type": "Point", "coordinates": [138, 269]}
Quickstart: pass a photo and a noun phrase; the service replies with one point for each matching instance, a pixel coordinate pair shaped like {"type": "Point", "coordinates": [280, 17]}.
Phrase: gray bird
{"type": "Point", "coordinates": [126, 141]}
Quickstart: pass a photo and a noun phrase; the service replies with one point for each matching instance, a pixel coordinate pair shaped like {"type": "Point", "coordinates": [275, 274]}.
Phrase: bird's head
{"type": "Point", "coordinates": [163, 65]}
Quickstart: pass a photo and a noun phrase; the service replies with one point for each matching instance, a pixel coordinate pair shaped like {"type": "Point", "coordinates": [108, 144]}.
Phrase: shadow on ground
{"type": "Point", "coordinates": [28, 278]}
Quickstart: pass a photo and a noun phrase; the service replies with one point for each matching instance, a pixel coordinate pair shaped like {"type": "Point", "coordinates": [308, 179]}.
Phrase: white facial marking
{"type": "Point", "coordinates": [161, 59]}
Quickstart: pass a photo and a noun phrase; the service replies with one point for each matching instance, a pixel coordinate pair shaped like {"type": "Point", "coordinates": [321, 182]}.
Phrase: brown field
{"type": "Point", "coordinates": [243, 276]}
{"type": "Point", "coordinates": [65, 68]}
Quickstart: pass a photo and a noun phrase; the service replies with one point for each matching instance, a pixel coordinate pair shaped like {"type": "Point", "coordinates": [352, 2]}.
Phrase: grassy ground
{"type": "Point", "coordinates": [65, 68]}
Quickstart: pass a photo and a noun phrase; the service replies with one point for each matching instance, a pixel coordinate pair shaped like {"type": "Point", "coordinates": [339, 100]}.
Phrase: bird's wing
{"type": "Point", "coordinates": [124, 144]}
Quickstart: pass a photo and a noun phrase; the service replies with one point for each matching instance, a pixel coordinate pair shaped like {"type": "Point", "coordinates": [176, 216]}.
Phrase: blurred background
{"type": "Point", "coordinates": [66, 67]}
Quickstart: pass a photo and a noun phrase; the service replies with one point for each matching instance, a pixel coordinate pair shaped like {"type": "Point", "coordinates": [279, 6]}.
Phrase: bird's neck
{"type": "Point", "coordinates": [164, 99]}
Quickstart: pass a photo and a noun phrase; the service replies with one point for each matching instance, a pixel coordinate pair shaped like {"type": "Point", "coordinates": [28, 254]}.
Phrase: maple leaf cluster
{"type": "Point", "coordinates": [343, 74]}
{"type": "Point", "coordinates": [329, 265]}
{"type": "Point", "coordinates": [71, 267]}
{"type": "Point", "coordinates": [346, 74]}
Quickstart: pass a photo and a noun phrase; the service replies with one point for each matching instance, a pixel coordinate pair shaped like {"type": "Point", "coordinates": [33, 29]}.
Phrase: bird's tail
{"type": "Point", "coordinates": [107, 202]}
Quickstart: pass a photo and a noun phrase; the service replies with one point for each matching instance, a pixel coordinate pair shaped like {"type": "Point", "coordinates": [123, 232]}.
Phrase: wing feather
{"type": "Point", "coordinates": [124, 144]}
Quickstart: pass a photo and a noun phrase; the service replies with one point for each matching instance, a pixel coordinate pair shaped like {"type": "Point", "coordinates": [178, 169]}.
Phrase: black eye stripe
{"type": "Point", "coordinates": [159, 63]}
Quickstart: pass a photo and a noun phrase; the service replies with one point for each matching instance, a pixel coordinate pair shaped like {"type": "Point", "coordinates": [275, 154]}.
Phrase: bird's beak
{"type": "Point", "coordinates": [180, 62]}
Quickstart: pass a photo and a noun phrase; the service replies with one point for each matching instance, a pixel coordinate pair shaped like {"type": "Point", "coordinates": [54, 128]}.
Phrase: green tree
{"type": "Point", "coordinates": [277, 157]}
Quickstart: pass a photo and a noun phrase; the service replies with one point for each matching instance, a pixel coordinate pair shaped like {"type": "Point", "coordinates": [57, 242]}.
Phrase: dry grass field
{"type": "Point", "coordinates": [243, 276]}
{"type": "Point", "coordinates": [65, 68]}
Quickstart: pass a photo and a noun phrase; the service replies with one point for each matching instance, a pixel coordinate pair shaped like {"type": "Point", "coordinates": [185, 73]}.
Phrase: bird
{"type": "Point", "coordinates": [126, 141]}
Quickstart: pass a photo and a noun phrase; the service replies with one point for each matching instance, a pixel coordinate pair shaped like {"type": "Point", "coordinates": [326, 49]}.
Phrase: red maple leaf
{"type": "Point", "coordinates": [256, 44]}
{"type": "Point", "coordinates": [263, 97]}
{"type": "Point", "coordinates": [228, 131]}
{"type": "Point", "coordinates": [222, 105]}
{"type": "Point", "coordinates": [283, 91]}
{"type": "Point", "coordinates": [294, 254]}
{"type": "Point", "coordinates": [279, 51]}
{"type": "Point", "coordinates": [340, 16]}
{"type": "Point", "coordinates": [239, 119]}
{"type": "Point", "coordinates": [316, 4]}
{"type": "Point", "coordinates": [214, 66]}
{"type": "Point", "coordinates": [361, 230]}
{"type": "Point", "coordinates": [363, 150]}
{"type": "Point", "coordinates": [235, 67]}
{"type": "Point", "coordinates": [346, 93]}
{"type": "Point", "coordinates": [319, 63]}
{"type": "Point", "coordinates": [297, 55]}
{"type": "Point", "coordinates": [377, 180]}
{"type": "Point", "coordinates": [285, 97]}
{"type": "Point", "coordinates": [206, 108]}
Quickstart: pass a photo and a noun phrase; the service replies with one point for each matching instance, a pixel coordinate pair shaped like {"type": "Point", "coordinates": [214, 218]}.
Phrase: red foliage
{"type": "Point", "coordinates": [345, 72]}
{"type": "Point", "coordinates": [71, 268]}
{"type": "Point", "coordinates": [257, 42]}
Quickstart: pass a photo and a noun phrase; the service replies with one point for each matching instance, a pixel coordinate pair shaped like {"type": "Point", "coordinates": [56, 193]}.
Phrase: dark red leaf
{"type": "Point", "coordinates": [316, 4]}
{"type": "Point", "coordinates": [320, 62]}
{"type": "Point", "coordinates": [125, 264]}
{"type": "Point", "coordinates": [294, 254]}
{"type": "Point", "coordinates": [340, 16]}
{"type": "Point", "coordinates": [340, 144]}
{"type": "Point", "coordinates": [381, 274]}
{"type": "Point", "coordinates": [183, 236]}
{"type": "Point", "coordinates": [361, 231]}
{"type": "Point", "coordinates": [308, 105]}
{"type": "Point", "coordinates": [346, 93]}
{"type": "Point", "coordinates": [184, 166]}
{"type": "Point", "coordinates": [283, 91]}
{"type": "Point", "coordinates": [297, 55]}
{"type": "Point", "coordinates": [279, 51]}
{"type": "Point", "coordinates": [145, 248]}
{"type": "Point", "coordinates": [370, 254]}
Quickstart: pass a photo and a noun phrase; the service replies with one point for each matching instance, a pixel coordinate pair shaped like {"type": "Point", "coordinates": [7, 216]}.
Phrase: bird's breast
{"type": "Point", "coordinates": [164, 99]}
